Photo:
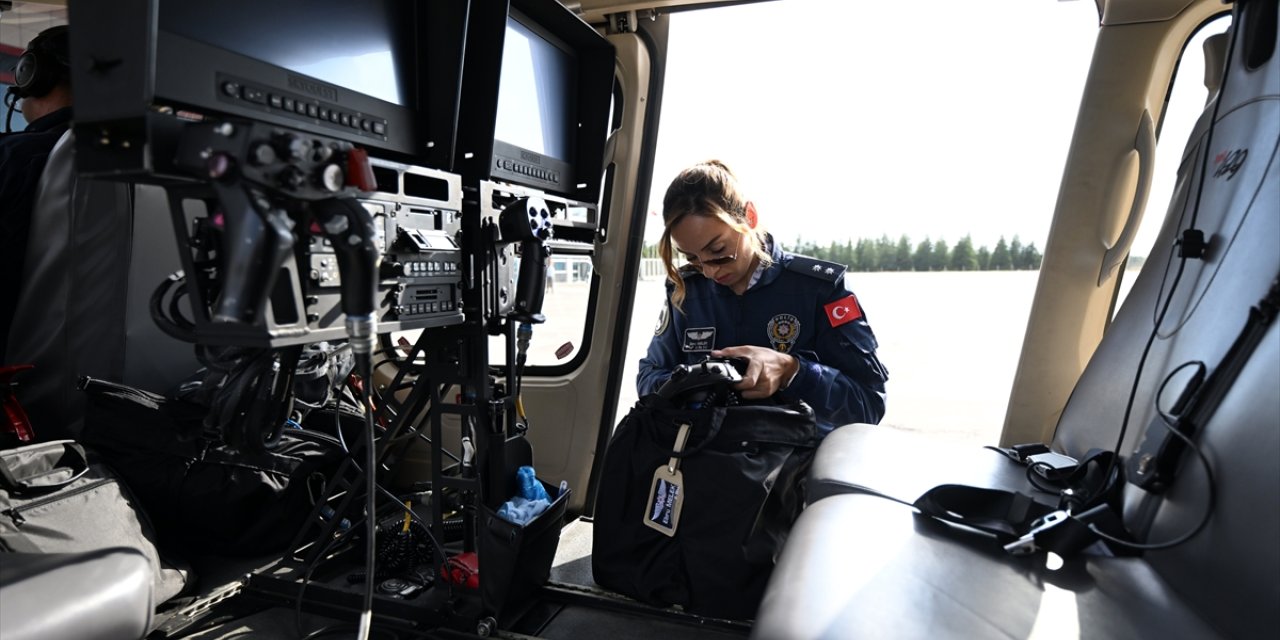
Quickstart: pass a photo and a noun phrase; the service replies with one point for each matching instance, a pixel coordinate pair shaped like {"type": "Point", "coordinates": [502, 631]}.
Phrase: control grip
{"type": "Point", "coordinates": [256, 244]}
{"type": "Point", "coordinates": [350, 230]}
{"type": "Point", "coordinates": [528, 220]}
{"type": "Point", "coordinates": [531, 286]}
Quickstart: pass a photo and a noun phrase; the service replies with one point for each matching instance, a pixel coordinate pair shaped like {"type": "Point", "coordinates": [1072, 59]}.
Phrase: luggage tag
{"type": "Point", "coordinates": [666, 495]}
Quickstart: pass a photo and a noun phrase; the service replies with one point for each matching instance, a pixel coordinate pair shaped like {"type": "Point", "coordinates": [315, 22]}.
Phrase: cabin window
{"type": "Point", "coordinates": [556, 342]}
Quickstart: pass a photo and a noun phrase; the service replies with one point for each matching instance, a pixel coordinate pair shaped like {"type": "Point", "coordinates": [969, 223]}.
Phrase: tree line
{"type": "Point", "coordinates": [885, 254]}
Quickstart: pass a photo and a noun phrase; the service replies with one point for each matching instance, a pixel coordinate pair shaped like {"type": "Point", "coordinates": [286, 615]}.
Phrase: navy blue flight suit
{"type": "Point", "coordinates": [800, 306]}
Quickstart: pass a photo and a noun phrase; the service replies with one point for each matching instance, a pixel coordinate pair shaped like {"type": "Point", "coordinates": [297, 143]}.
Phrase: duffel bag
{"type": "Point", "coordinates": [695, 519]}
{"type": "Point", "coordinates": [56, 497]}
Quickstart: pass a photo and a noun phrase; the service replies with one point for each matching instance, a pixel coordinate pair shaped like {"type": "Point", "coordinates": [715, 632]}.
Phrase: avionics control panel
{"type": "Point", "coordinates": [263, 251]}
{"type": "Point", "coordinates": [416, 212]}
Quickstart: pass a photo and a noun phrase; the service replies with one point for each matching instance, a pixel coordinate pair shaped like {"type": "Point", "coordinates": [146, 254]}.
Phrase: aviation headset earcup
{"type": "Point", "coordinates": [43, 64]}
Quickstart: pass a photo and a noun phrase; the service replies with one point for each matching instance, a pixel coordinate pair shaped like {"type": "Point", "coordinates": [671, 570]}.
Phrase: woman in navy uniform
{"type": "Point", "coordinates": [804, 335]}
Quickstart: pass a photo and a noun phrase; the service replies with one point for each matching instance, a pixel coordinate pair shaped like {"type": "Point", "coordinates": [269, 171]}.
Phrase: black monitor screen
{"type": "Point", "coordinates": [537, 93]}
{"type": "Point", "coordinates": [358, 46]}
{"type": "Point", "coordinates": [534, 100]}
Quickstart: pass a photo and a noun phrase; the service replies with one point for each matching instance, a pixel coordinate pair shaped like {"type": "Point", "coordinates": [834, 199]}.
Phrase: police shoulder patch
{"type": "Point", "coordinates": [664, 320]}
{"type": "Point", "coordinates": [813, 267]}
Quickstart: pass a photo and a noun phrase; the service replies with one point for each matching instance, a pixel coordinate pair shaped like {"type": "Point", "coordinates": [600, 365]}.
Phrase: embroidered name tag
{"type": "Point", "coordinates": [700, 339]}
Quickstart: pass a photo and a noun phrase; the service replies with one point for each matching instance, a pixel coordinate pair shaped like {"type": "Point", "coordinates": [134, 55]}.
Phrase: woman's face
{"type": "Point", "coordinates": [723, 253]}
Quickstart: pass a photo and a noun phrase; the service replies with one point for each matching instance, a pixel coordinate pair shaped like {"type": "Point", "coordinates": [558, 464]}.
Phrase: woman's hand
{"type": "Point", "coordinates": [768, 371]}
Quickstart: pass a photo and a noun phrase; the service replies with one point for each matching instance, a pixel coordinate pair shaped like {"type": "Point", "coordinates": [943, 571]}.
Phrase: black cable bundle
{"type": "Point", "coordinates": [249, 392]}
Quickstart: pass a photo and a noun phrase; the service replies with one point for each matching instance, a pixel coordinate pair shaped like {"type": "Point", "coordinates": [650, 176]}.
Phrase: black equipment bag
{"type": "Point", "coordinates": [56, 497]}
{"type": "Point", "coordinates": [203, 496]}
{"type": "Point", "coordinates": [743, 469]}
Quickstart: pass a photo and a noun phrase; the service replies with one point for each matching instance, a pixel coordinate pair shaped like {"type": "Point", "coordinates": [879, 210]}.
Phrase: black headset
{"type": "Point", "coordinates": [44, 64]}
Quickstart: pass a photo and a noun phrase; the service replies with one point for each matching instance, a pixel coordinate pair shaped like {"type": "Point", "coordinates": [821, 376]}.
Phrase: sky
{"type": "Point", "coordinates": [855, 119]}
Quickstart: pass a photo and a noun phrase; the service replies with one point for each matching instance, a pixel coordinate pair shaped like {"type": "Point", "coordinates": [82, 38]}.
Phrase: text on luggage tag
{"type": "Point", "coordinates": [666, 495]}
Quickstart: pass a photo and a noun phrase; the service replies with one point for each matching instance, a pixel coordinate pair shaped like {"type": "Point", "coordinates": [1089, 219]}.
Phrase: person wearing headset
{"type": "Point", "coordinates": [803, 333]}
{"type": "Point", "coordinates": [42, 84]}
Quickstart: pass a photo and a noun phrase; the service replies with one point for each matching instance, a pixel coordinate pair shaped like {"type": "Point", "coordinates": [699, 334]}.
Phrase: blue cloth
{"type": "Point", "coordinates": [530, 487]}
{"type": "Point", "coordinates": [531, 502]}
{"type": "Point", "coordinates": [840, 376]}
{"type": "Point", "coordinates": [521, 511]}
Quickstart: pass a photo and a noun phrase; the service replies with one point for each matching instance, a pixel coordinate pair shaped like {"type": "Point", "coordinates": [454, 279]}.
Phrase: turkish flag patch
{"type": "Point", "coordinates": [843, 311]}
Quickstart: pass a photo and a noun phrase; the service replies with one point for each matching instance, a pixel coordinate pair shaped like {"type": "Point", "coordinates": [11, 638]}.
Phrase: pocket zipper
{"type": "Point", "coordinates": [15, 513]}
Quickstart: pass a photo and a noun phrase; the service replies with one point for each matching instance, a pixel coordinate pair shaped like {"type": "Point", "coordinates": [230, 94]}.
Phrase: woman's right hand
{"type": "Point", "coordinates": [768, 371]}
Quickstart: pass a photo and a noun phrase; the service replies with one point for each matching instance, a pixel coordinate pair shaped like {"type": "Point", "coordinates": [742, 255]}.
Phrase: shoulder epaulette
{"type": "Point", "coordinates": [820, 269]}
{"type": "Point", "coordinates": [684, 271]}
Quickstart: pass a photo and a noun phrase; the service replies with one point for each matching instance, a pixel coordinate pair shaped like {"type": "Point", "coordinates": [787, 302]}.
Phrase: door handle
{"type": "Point", "coordinates": [1144, 143]}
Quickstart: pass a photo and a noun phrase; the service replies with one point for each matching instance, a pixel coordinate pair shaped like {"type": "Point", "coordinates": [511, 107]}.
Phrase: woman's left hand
{"type": "Point", "coordinates": [768, 371]}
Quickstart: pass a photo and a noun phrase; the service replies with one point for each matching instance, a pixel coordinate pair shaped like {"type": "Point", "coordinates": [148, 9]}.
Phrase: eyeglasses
{"type": "Point", "coordinates": [712, 262]}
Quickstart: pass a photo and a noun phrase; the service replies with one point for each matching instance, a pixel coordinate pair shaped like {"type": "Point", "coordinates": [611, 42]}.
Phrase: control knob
{"type": "Point", "coordinates": [330, 177]}
{"type": "Point", "coordinates": [262, 155]}
{"type": "Point", "coordinates": [392, 269]}
{"type": "Point", "coordinates": [291, 177]}
{"type": "Point", "coordinates": [291, 147]}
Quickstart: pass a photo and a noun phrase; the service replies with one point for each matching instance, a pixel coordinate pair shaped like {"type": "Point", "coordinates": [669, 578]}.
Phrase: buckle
{"type": "Point", "coordinates": [1026, 545]}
